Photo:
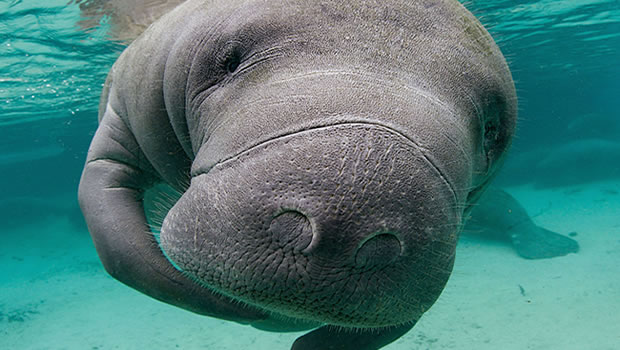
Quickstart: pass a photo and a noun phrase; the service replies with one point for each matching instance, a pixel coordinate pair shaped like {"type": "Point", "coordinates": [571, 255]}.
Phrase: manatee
{"type": "Point", "coordinates": [499, 215]}
{"type": "Point", "coordinates": [592, 126]}
{"type": "Point", "coordinates": [126, 19]}
{"type": "Point", "coordinates": [574, 162]}
{"type": "Point", "coordinates": [326, 154]}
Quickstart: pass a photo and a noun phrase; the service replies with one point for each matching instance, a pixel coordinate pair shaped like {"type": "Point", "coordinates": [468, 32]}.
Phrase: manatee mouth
{"type": "Point", "coordinates": [348, 224]}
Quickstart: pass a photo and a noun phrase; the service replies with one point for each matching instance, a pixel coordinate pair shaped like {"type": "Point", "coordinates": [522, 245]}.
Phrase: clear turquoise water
{"type": "Point", "coordinates": [565, 58]}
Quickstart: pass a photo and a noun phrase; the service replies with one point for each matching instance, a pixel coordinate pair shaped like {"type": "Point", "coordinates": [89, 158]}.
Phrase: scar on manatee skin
{"type": "Point", "coordinates": [522, 290]}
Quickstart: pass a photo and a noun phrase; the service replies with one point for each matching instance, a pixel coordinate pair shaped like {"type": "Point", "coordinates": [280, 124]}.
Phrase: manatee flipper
{"type": "Point", "coordinates": [335, 338]}
{"type": "Point", "coordinates": [110, 196]}
{"type": "Point", "coordinates": [535, 242]}
{"type": "Point", "coordinates": [500, 215]}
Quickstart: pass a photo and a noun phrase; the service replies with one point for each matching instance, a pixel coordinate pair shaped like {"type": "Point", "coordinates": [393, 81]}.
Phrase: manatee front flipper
{"type": "Point", "coordinates": [499, 214]}
{"type": "Point", "coordinates": [335, 338]}
{"type": "Point", "coordinates": [110, 194]}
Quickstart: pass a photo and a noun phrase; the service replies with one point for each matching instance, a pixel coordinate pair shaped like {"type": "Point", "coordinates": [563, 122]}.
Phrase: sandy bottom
{"type": "Point", "coordinates": [54, 293]}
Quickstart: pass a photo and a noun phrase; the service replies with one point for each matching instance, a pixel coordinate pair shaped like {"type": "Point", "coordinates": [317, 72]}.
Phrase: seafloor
{"type": "Point", "coordinates": [54, 293]}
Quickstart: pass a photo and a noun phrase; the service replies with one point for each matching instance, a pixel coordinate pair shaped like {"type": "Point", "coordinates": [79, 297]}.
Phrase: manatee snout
{"type": "Point", "coordinates": [291, 229]}
{"type": "Point", "coordinates": [348, 224]}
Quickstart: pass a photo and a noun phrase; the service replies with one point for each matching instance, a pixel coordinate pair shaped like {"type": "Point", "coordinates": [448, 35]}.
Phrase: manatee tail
{"type": "Point", "coordinates": [539, 243]}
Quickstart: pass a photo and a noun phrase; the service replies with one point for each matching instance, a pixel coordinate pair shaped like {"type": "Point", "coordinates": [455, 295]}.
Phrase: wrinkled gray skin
{"type": "Point", "coordinates": [326, 152]}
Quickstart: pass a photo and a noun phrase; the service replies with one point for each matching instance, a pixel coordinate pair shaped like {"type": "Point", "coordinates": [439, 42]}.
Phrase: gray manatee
{"type": "Point", "coordinates": [499, 215]}
{"type": "Point", "coordinates": [573, 162]}
{"type": "Point", "coordinates": [327, 153]}
{"type": "Point", "coordinates": [126, 19]}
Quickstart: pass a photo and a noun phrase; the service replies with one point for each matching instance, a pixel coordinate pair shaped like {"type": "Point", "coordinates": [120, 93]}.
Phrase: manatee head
{"type": "Point", "coordinates": [335, 149]}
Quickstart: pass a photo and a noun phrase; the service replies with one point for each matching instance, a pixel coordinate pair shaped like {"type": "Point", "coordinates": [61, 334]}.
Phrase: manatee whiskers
{"type": "Point", "coordinates": [158, 200]}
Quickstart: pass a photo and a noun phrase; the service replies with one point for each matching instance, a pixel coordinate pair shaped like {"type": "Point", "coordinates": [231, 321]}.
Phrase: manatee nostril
{"type": "Point", "coordinates": [379, 250]}
{"type": "Point", "coordinates": [291, 229]}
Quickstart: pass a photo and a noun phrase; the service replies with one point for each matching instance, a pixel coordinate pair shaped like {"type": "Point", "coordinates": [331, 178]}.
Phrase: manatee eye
{"type": "Point", "coordinates": [491, 138]}
{"type": "Point", "coordinates": [232, 63]}
{"type": "Point", "coordinates": [494, 130]}
{"type": "Point", "coordinates": [491, 133]}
